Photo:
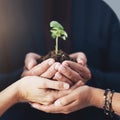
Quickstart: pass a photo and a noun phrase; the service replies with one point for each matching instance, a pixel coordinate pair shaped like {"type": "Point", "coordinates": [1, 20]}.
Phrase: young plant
{"type": "Point", "coordinates": [57, 31]}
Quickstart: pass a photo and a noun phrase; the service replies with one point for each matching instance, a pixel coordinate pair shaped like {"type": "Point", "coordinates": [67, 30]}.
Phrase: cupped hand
{"type": "Point", "coordinates": [68, 71]}
{"type": "Point", "coordinates": [74, 71]}
{"type": "Point", "coordinates": [33, 68]}
{"type": "Point", "coordinates": [31, 60]}
{"type": "Point", "coordinates": [39, 90]}
{"type": "Point", "coordinates": [80, 57]}
{"type": "Point", "coordinates": [75, 100]}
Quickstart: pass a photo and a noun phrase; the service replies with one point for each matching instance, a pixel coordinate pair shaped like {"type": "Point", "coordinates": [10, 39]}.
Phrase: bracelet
{"type": "Point", "coordinates": [108, 95]}
{"type": "Point", "coordinates": [110, 104]}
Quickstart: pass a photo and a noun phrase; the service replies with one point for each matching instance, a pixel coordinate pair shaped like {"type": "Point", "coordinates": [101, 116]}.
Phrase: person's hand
{"type": "Point", "coordinates": [68, 71]}
{"type": "Point", "coordinates": [39, 90]}
{"type": "Point", "coordinates": [75, 100]}
{"type": "Point", "coordinates": [46, 69]}
{"type": "Point", "coordinates": [31, 60]}
{"type": "Point", "coordinates": [32, 68]}
{"type": "Point", "coordinates": [74, 71]}
{"type": "Point", "coordinates": [80, 57]}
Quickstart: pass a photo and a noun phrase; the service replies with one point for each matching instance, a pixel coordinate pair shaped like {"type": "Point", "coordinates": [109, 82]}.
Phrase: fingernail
{"type": "Point", "coordinates": [80, 62]}
{"type": "Point", "coordinates": [57, 103]}
{"type": "Point", "coordinates": [57, 66]}
{"type": "Point", "coordinates": [30, 65]}
{"type": "Point", "coordinates": [63, 69]}
{"type": "Point", "coordinates": [66, 86]}
{"type": "Point", "coordinates": [51, 61]}
{"type": "Point", "coordinates": [58, 76]}
{"type": "Point", "coordinates": [65, 64]}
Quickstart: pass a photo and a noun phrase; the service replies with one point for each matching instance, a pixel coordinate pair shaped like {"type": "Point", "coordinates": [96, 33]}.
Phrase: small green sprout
{"type": "Point", "coordinates": [57, 31]}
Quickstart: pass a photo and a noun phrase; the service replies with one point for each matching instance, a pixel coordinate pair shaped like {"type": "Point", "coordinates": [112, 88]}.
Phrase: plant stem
{"type": "Point", "coordinates": [56, 47]}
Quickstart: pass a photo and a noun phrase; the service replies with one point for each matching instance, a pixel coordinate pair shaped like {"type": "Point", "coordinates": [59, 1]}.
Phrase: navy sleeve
{"type": "Point", "coordinates": [9, 78]}
{"type": "Point", "coordinates": [109, 77]}
{"type": "Point", "coordinates": [104, 80]}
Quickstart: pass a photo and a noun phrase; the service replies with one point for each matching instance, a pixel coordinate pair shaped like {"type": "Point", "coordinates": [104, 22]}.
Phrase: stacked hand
{"type": "Point", "coordinates": [40, 90]}
{"type": "Point", "coordinates": [67, 71]}
{"type": "Point", "coordinates": [74, 73]}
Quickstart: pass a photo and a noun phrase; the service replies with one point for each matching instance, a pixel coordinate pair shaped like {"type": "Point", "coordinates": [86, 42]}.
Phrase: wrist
{"type": "Point", "coordinates": [16, 92]}
{"type": "Point", "coordinates": [8, 96]}
{"type": "Point", "coordinates": [96, 98]}
{"type": "Point", "coordinates": [18, 89]}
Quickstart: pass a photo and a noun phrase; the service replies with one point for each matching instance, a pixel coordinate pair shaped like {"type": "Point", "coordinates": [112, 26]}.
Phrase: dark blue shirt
{"type": "Point", "coordinates": [95, 30]}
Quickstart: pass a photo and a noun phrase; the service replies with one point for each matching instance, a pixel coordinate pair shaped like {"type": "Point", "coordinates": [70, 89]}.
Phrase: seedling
{"type": "Point", "coordinates": [57, 31]}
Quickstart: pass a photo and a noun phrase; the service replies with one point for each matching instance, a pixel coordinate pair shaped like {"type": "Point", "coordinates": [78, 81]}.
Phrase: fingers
{"type": "Point", "coordinates": [31, 60]}
{"type": "Point", "coordinates": [51, 71]}
{"type": "Point", "coordinates": [56, 109]}
{"type": "Point", "coordinates": [65, 100]}
{"type": "Point", "coordinates": [70, 97]}
{"type": "Point", "coordinates": [80, 57]}
{"type": "Point", "coordinates": [58, 85]}
{"type": "Point", "coordinates": [58, 76]}
{"type": "Point", "coordinates": [82, 70]}
{"type": "Point", "coordinates": [35, 105]}
{"type": "Point", "coordinates": [69, 73]}
{"type": "Point", "coordinates": [86, 74]}
{"type": "Point", "coordinates": [40, 68]}
{"type": "Point", "coordinates": [41, 90]}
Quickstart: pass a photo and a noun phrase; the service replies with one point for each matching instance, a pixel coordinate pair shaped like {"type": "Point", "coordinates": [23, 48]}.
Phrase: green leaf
{"type": "Point", "coordinates": [56, 25]}
{"type": "Point", "coordinates": [57, 31]}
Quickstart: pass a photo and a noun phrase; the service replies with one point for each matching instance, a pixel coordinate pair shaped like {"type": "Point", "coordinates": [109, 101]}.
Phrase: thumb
{"type": "Point", "coordinates": [57, 85]}
{"type": "Point", "coordinates": [81, 59]}
{"type": "Point", "coordinates": [31, 60]}
{"type": "Point", "coordinates": [31, 64]}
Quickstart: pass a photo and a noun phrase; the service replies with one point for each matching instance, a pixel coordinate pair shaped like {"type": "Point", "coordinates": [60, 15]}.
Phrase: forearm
{"type": "Point", "coordinates": [98, 100]}
{"type": "Point", "coordinates": [8, 97]}
{"type": "Point", "coordinates": [96, 97]}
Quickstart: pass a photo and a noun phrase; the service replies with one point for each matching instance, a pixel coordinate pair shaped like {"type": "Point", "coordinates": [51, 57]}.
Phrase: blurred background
{"type": "Point", "coordinates": [115, 5]}
{"type": "Point", "coordinates": [21, 22]}
{"type": "Point", "coordinates": [24, 27]}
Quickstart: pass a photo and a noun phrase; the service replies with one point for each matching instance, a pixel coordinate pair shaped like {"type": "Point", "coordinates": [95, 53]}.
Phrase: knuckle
{"type": "Point", "coordinates": [70, 74]}
{"type": "Point", "coordinates": [78, 76]}
{"type": "Point", "coordinates": [50, 98]}
{"type": "Point", "coordinates": [60, 85]}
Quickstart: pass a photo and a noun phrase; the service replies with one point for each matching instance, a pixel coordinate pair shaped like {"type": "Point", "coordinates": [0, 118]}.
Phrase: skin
{"type": "Point", "coordinates": [80, 98]}
{"type": "Point", "coordinates": [69, 103]}
{"type": "Point", "coordinates": [77, 97]}
{"type": "Point", "coordinates": [31, 89]}
{"type": "Point", "coordinates": [68, 71]}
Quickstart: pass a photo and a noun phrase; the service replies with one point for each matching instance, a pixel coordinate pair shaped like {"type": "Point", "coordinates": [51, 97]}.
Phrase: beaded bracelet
{"type": "Point", "coordinates": [108, 95]}
{"type": "Point", "coordinates": [110, 104]}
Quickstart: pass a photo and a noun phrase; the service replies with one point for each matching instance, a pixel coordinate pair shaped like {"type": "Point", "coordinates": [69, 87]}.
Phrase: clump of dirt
{"type": "Point", "coordinates": [60, 57]}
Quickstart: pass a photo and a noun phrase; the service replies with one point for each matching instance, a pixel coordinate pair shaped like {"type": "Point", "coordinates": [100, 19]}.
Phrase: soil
{"type": "Point", "coordinates": [60, 57]}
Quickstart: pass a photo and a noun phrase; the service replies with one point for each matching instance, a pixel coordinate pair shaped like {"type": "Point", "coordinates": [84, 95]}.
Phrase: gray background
{"type": "Point", "coordinates": [115, 5]}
